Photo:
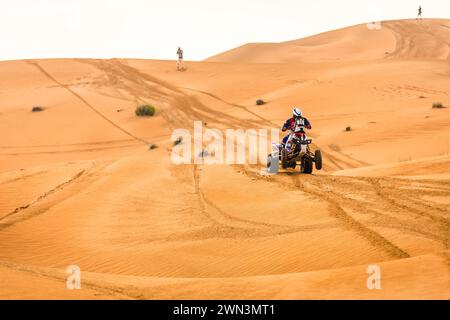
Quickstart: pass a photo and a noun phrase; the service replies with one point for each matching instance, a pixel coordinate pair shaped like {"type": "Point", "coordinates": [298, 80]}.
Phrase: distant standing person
{"type": "Point", "coordinates": [180, 64]}
{"type": "Point", "coordinates": [419, 14]}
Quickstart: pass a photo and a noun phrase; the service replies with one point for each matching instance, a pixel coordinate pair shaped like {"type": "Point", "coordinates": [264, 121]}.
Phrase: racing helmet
{"type": "Point", "coordinates": [296, 112]}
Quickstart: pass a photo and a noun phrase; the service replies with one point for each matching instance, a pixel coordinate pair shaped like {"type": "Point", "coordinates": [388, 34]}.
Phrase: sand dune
{"type": "Point", "coordinates": [427, 39]}
{"type": "Point", "coordinates": [80, 186]}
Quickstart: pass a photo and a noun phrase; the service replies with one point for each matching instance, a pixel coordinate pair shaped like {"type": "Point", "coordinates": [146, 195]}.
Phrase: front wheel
{"type": "Point", "coordinates": [307, 166]}
{"type": "Point", "coordinates": [318, 159]}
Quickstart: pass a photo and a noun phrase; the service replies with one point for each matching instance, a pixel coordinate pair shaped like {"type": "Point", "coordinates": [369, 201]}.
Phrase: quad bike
{"type": "Point", "coordinates": [299, 154]}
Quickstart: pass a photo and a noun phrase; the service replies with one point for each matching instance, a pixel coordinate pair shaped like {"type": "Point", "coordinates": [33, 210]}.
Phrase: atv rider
{"type": "Point", "coordinates": [295, 126]}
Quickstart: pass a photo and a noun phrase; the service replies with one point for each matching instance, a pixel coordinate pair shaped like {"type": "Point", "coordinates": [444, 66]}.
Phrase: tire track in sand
{"type": "Point", "coordinates": [443, 222]}
{"type": "Point", "coordinates": [233, 105]}
{"type": "Point", "coordinates": [86, 103]}
{"type": "Point", "coordinates": [144, 87]}
{"type": "Point", "coordinates": [61, 276]}
{"type": "Point", "coordinates": [43, 196]}
{"type": "Point", "coordinates": [225, 225]}
{"type": "Point", "coordinates": [338, 212]}
{"type": "Point", "coordinates": [52, 197]}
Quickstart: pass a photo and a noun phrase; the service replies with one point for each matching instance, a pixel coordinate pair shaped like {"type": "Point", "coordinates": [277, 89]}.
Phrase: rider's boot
{"type": "Point", "coordinates": [288, 147]}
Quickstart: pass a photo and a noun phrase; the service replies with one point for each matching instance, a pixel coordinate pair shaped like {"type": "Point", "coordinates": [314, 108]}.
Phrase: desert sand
{"type": "Point", "coordinates": [79, 185]}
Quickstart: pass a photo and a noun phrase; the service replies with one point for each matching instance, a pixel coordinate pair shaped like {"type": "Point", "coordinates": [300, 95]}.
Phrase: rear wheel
{"type": "Point", "coordinates": [318, 159]}
{"type": "Point", "coordinates": [307, 165]}
{"type": "Point", "coordinates": [293, 164]}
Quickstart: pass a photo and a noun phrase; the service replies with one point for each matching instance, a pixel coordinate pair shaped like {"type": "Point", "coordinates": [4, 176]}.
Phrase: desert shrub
{"type": "Point", "coordinates": [260, 102]}
{"type": "Point", "coordinates": [438, 105]}
{"type": "Point", "coordinates": [146, 110]}
{"type": "Point", "coordinates": [152, 146]}
{"type": "Point", "coordinates": [37, 109]}
{"type": "Point", "coordinates": [348, 128]}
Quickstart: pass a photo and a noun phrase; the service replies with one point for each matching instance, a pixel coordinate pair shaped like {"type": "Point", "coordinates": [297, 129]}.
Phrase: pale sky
{"type": "Point", "coordinates": [153, 29]}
